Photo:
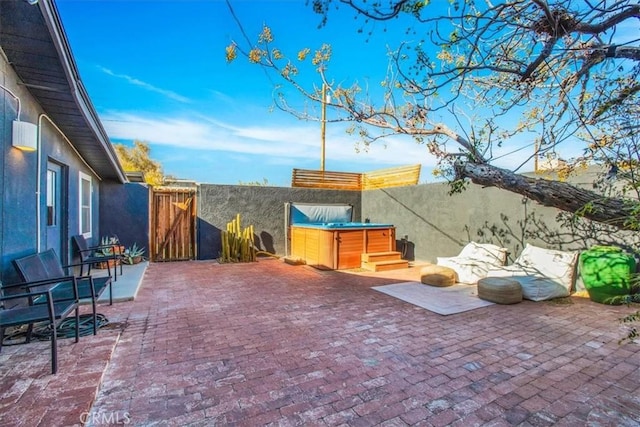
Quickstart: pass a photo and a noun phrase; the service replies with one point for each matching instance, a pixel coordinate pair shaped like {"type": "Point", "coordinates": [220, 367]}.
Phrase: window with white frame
{"type": "Point", "coordinates": [52, 197]}
{"type": "Point", "coordinates": [85, 204]}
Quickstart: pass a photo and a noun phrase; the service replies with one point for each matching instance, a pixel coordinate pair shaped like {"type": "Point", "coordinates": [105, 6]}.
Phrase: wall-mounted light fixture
{"type": "Point", "coordinates": [24, 136]}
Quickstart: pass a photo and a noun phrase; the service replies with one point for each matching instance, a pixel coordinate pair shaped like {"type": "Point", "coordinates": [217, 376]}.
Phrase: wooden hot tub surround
{"type": "Point", "coordinates": [340, 246]}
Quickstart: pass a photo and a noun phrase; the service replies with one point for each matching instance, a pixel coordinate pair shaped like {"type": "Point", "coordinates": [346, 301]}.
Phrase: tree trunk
{"type": "Point", "coordinates": [561, 195]}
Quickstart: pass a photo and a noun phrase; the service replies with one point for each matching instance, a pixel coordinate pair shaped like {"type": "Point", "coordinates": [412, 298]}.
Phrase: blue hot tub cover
{"type": "Point", "coordinates": [318, 214]}
{"type": "Point", "coordinates": [342, 225]}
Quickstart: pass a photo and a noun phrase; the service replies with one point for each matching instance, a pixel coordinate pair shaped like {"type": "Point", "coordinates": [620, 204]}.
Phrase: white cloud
{"type": "Point", "coordinates": [296, 145]}
{"type": "Point", "coordinates": [276, 142]}
{"type": "Point", "coordinates": [147, 86]}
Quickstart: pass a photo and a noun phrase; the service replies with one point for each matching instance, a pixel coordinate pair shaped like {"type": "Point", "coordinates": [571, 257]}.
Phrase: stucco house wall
{"type": "Point", "coordinates": [24, 175]}
{"type": "Point", "coordinates": [40, 84]}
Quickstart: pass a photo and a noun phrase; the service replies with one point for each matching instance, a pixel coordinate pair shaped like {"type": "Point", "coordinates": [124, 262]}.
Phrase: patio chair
{"type": "Point", "coordinates": [90, 255]}
{"type": "Point", "coordinates": [47, 265]}
{"type": "Point", "coordinates": [20, 309]}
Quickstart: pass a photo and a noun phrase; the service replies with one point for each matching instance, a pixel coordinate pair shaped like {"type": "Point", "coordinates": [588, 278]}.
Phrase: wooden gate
{"type": "Point", "coordinates": [173, 213]}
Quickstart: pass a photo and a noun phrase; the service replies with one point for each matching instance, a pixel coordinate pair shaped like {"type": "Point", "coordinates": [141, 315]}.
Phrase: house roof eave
{"type": "Point", "coordinates": [38, 50]}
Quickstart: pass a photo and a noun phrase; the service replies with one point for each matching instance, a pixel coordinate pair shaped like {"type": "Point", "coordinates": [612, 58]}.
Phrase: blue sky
{"type": "Point", "coordinates": [156, 72]}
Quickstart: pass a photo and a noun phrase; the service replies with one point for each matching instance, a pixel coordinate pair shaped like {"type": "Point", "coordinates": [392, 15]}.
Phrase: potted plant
{"type": "Point", "coordinates": [109, 246]}
{"type": "Point", "coordinates": [133, 254]}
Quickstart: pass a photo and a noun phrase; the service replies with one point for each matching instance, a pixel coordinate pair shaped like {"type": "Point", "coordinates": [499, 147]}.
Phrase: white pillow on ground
{"type": "Point", "coordinates": [485, 252]}
{"type": "Point", "coordinates": [474, 261]}
{"type": "Point", "coordinates": [543, 273]}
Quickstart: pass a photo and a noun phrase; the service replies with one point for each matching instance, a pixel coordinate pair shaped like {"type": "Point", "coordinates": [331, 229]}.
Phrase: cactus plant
{"type": "Point", "coordinates": [237, 244]}
{"type": "Point", "coordinates": [133, 254]}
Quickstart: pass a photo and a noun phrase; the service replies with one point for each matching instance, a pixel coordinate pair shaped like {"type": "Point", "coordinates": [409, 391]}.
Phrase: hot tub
{"type": "Point", "coordinates": [343, 225]}
{"type": "Point", "coordinates": [340, 245]}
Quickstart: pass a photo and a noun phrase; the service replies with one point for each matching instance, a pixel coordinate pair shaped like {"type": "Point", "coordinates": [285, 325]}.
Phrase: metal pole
{"type": "Point", "coordinates": [323, 125]}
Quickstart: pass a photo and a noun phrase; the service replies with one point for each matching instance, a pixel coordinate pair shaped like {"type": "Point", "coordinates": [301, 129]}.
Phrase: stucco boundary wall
{"type": "Point", "coordinates": [125, 212]}
{"type": "Point", "coordinates": [260, 206]}
{"type": "Point", "coordinates": [438, 224]}
{"type": "Point", "coordinates": [434, 222]}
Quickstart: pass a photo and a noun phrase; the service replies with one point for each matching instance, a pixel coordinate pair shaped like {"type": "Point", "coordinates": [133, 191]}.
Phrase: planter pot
{"type": "Point", "coordinates": [606, 272]}
{"type": "Point", "coordinates": [132, 260]}
{"type": "Point", "coordinates": [119, 250]}
{"type": "Point", "coordinates": [111, 263]}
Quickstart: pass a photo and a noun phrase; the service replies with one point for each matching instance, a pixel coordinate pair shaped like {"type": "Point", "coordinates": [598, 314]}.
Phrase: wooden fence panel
{"type": "Point", "coordinates": [173, 225]}
{"type": "Point", "coordinates": [392, 177]}
{"type": "Point", "coordinates": [326, 179]}
{"type": "Point", "coordinates": [382, 178]}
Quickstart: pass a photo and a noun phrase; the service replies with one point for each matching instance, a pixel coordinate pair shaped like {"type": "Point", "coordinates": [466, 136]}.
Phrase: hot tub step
{"type": "Point", "coordinates": [380, 256]}
{"type": "Point", "coordinates": [393, 264]}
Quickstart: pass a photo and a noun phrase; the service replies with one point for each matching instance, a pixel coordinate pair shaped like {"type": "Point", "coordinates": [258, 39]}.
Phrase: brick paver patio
{"type": "Point", "coordinates": [272, 344]}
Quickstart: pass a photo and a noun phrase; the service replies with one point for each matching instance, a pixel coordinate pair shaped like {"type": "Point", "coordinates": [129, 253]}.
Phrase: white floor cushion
{"type": "Point", "coordinates": [543, 273]}
{"type": "Point", "coordinates": [474, 261]}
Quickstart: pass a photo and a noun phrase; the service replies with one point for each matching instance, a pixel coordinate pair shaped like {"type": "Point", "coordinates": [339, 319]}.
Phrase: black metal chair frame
{"type": "Point", "coordinates": [48, 310]}
{"type": "Point", "coordinates": [46, 265]}
{"type": "Point", "coordinates": [88, 256]}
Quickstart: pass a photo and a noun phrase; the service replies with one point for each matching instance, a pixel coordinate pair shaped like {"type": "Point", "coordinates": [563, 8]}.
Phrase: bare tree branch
{"type": "Point", "coordinates": [557, 72]}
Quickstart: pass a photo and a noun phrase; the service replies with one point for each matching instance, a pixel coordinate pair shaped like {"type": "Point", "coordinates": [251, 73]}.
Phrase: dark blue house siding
{"type": "Point", "coordinates": [17, 226]}
{"type": "Point", "coordinates": [21, 232]}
